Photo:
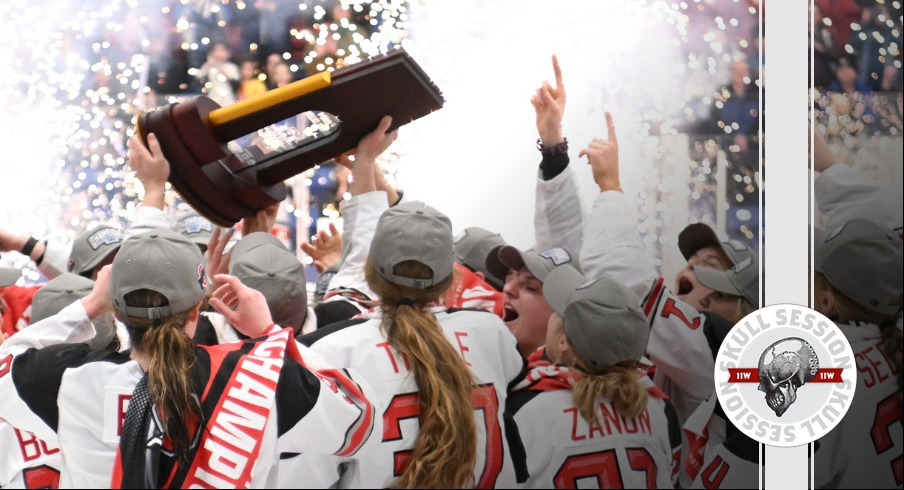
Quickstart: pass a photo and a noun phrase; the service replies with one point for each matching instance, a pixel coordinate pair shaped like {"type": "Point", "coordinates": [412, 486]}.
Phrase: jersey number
{"type": "Point", "coordinates": [670, 310]}
{"type": "Point", "coordinates": [712, 478]}
{"type": "Point", "coordinates": [603, 466]}
{"type": "Point", "coordinates": [888, 412]}
{"type": "Point", "coordinates": [41, 477]}
{"type": "Point", "coordinates": [483, 398]}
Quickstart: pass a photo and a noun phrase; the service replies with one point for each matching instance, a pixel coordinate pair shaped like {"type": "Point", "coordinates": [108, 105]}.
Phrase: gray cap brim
{"type": "Point", "coordinates": [559, 284]}
{"type": "Point", "coordinates": [698, 235]}
{"type": "Point", "coordinates": [9, 276]}
{"type": "Point", "coordinates": [716, 280]}
{"type": "Point", "coordinates": [514, 259]}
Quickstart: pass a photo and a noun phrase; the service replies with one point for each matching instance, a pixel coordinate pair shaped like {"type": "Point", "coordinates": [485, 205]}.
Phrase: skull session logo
{"type": "Point", "coordinates": [804, 378]}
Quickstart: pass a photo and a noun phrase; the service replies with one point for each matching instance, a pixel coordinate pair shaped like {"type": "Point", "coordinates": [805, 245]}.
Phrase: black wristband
{"type": "Point", "coordinates": [41, 258]}
{"type": "Point", "coordinates": [29, 246]}
{"type": "Point", "coordinates": [554, 149]}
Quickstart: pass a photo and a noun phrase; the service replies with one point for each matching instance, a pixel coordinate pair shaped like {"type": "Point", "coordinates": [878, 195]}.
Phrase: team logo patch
{"type": "Point", "coordinates": [104, 236]}
{"type": "Point", "coordinates": [191, 225]}
{"type": "Point", "coordinates": [785, 375]}
{"type": "Point", "coordinates": [557, 255]}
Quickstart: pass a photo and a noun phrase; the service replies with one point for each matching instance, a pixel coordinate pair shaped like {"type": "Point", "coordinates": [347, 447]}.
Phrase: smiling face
{"type": "Point", "coordinates": [691, 291]}
{"type": "Point", "coordinates": [526, 310]}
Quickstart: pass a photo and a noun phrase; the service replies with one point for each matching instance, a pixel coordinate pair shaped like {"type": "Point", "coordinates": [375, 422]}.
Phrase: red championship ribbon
{"type": "Point", "coordinates": [752, 375]}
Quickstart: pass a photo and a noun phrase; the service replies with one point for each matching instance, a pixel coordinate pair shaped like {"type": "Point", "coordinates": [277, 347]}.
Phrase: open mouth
{"type": "Point", "coordinates": [510, 314]}
{"type": "Point", "coordinates": [685, 286]}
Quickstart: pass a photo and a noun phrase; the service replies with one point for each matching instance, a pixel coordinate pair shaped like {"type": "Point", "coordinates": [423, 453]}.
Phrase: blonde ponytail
{"type": "Point", "coordinates": [445, 451]}
{"type": "Point", "coordinates": [619, 382]}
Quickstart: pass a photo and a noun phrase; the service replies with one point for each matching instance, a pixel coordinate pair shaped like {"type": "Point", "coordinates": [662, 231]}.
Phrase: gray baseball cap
{"type": "Point", "coordinates": [262, 262]}
{"type": "Point", "coordinates": [59, 293]}
{"type": "Point", "coordinates": [9, 276]}
{"type": "Point", "coordinates": [92, 247]}
{"type": "Point", "coordinates": [472, 247]}
{"type": "Point", "coordinates": [413, 231]}
{"type": "Point", "coordinates": [163, 261]}
{"type": "Point", "coordinates": [539, 264]}
{"type": "Point", "coordinates": [741, 280]}
{"type": "Point", "coordinates": [603, 319]}
{"type": "Point", "coordinates": [864, 261]}
{"type": "Point", "coordinates": [698, 235]}
{"type": "Point", "coordinates": [195, 227]}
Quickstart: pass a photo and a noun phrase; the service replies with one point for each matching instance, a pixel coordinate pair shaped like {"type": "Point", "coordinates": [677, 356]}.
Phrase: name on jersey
{"type": "Point", "coordinates": [610, 423]}
{"type": "Point", "coordinates": [228, 452]}
{"type": "Point", "coordinates": [397, 359]}
{"type": "Point", "coordinates": [874, 366]}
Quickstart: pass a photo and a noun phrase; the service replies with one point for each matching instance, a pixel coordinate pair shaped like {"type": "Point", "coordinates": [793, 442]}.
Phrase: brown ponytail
{"type": "Point", "coordinates": [445, 451]}
{"type": "Point", "coordinates": [172, 361]}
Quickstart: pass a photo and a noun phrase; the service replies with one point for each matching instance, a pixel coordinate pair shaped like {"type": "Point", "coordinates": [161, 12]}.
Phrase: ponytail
{"type": "Point", "coordinates": [445, 451]}
{"type": "Point", "coordinates": [848, 311]}
{"type": "Point", "coordinates": [172, 361]}
{"type": "Point", "coordinates": [619, 382]}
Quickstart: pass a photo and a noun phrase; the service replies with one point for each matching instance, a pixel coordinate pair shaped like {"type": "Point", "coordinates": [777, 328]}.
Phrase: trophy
{"type": "Point", "coordinates": [230, 162]}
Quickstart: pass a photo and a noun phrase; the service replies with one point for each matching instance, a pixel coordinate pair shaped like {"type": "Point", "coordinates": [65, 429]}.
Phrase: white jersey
{"type": "Point", "coordinates": [679, 343]}
{"type": "Point", "coordinates": [26, 461]}
{"type": "Point", "coordinates": [732, 464]}
{"type": "Point", "coordinates": [865, 449]}
{"type": "Point", "coordinates": [563, 450]}
{"type": "Point", "coordinates": [81, 397]}
{"type": "Point", "coordinates": [558, 212]}
{"type": "Point", "coordinates": [485, 345]}
{"type": "Point", "coordinates": [718, 455]}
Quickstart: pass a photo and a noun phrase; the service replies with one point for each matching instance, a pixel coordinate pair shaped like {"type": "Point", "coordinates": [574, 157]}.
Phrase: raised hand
{"type": "Point", "coordinates": [549, 104]}
{"type": "Point", "coordinates": [244, 308]}
{"type": "Point", "coordinates": [150, 167]}
{"type": "Point", "coordinates": [217, 263]}
{"type": "Point", "coordinates": [602, 155]}
{"type": "Point", "coordinates": [98, 301]}
{"type": "Point", "coordinates": [326, 248]}
{"type": "Point", "coordinates": [369, 148]}
{"type": "Point", "coordinates": [375, 143]}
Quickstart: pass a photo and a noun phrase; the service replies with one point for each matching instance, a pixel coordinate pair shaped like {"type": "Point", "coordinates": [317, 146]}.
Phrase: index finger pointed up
{"type": "Point", "coordinates": [557, 70]}
{"type": "Point", "coordinates": [611, 127]}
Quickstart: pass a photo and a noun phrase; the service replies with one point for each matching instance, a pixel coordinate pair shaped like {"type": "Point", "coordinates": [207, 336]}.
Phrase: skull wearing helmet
{"type": "Point", "coordinates": [784, 367]}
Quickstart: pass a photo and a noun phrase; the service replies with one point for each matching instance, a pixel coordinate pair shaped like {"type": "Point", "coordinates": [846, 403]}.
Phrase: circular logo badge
{"type": "Point", "coordinates": [785, 375]}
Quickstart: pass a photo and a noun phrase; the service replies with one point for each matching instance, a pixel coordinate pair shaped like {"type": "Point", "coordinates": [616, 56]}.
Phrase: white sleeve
{"type": "Point", "coordinates": [679, 349]}
{"type": "Point", "coordinates": [360, 215]}
{"type": "Point", "coordinates": [56, 259]}
{"type": "Point", "coordinates": [342, 418]}
{"type": "Point", "coordinates": [613, 247]}
{"type": "Point", "coordinates": [69, 326]}
{"type": "Point", "coordinates": [146, 219]}
{"type": "Point", "coordinates": [843, 193]}
{"type": "Point", "coordinates": [558, 213]}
